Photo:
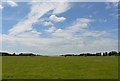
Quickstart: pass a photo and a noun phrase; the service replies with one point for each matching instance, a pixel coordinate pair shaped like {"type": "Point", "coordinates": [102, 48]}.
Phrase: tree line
{"type": "Point", "coordinates": [21, 54]}
{"type": "Point", "coordinates": [112, 53]}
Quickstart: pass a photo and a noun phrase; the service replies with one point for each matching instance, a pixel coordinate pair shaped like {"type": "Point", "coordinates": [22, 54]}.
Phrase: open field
{"type": "Point", "coordinates": [41, 67]}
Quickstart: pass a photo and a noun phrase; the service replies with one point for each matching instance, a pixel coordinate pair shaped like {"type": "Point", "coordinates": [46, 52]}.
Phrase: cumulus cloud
{"type": "Point", "coordinates": [57, 19]}
{"type": "Point", "coordinates": [37, 11]}
{"type": "Point", "coordinates": [61, 33]}
{"type": "Point", "coordinates": [48, 23]}
{"type": "Point", "coordinates": [51, 29]}
{"type": "Point", "coordinates": [12, 3]}
{"type": "Point", "coordinates": [79, 24]}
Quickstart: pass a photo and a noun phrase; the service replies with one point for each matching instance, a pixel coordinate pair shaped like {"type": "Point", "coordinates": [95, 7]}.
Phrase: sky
{"type": "Point", "coordinates": [54, 28]}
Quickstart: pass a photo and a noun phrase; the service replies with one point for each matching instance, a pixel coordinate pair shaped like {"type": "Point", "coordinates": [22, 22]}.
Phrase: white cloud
{"type": "Point", "coordinates": [61, 7]}
{"type": "Point", "coordinates": [37, 11]}
{"type": "Point", "coordinates": [80, 23]}
{"type": "Point", "coordinates": [59, 33]}
{"type": "Point", "coordinates": [12, 3]}
{"type": "Point", "coordinates": [59, 45]}
{"type": "Point", "coordinates": [112, 0]}
{"type": "Point", "coordinates": [80, 26]}
{"type": "Point", "coordinates": [75, 38]}
{"type": "Point", "coordinates": [87, 33]}
{"type": "Point", "coordinates": [51, 29]}
{"type": "Point", "coordinates": [57, 19]}
{"type": "Point", "coordinates": [9, 2]}
{"type": "Point", "coordinates": [30, 34]}
{"type": "Point", "coordinates": [48, 23]}
{"type": "Point", "coordinates": [1, 7]}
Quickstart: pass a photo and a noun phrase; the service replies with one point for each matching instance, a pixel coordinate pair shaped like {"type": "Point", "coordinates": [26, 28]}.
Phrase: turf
{"type": "Point", "coordinates": [76, 67]}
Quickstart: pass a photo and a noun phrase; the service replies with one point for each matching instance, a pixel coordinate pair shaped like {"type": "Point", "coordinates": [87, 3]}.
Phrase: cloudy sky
{"type": "Point", "coordinates": [53, 28]}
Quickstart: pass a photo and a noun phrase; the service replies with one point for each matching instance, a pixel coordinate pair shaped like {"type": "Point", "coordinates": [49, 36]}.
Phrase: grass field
{"type": "Point", "coordinates": [41, 67]}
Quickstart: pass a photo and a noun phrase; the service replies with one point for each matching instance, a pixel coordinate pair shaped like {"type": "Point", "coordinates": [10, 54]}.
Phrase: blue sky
{"type": "Point", "coordinates": [59, 28]}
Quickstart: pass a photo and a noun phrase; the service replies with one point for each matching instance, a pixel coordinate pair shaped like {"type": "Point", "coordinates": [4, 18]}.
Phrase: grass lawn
{"type": "Point", "coordinates": [76, 67]}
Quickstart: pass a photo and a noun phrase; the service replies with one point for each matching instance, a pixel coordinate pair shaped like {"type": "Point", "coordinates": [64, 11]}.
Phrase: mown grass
{"type": "Point", "coordinates": [39, 67]}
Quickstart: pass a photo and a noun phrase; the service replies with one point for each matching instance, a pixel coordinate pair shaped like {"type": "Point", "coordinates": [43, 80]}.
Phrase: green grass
{"type": "Point", "coordinates": [39, 67]}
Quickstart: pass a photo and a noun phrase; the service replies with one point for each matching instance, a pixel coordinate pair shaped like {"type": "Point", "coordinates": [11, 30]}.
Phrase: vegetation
{"type": "Point", "coordinates": [59, 67]}
{"type": "Point", "coordinates": [112, 53]}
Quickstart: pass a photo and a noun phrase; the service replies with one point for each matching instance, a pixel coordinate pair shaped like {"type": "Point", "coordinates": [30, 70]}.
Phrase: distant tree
{"type": "Point", "coordinates": [14, 54]}
{"type": "Point", "coordinates": [5, 54]}
{"type": "Point", "coordinates": [119, 53]}
{"type": "Point", "coordinates": [110, 53]}
{"type": "Point", "coordinates": [113, 53]}
{"type": "Point", "coordinates": [105, 54]}
{"type": "Point", "coordinates": [116, 53]}
{"type": "Point", "coordinates": [98, 54]}
{"type": "Point", "coordinates": [20, 54]}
